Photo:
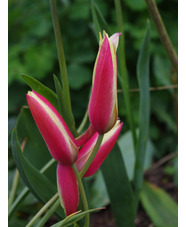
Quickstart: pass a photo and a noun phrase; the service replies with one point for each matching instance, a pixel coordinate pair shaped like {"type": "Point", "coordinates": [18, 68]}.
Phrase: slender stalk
{"type": "Point", "coordinates": [42, 210]}
{"type": "Point", "coordinates": [160, 88]}
{"type": "Point", "coordinates": [13, 189]}
{"type": "Point", "coordinates": [48, 165]}
{"type": "Point", "coordinates": [92, 156]}
{"type": "Point", "coordinates": [82, 193]}
{"type": "Point", "coordinates": [15, 180]}
{"type": "Point", "coordinates": [49, 214]}
{"type": "Point", "coordinates": [61, 55]}
{"type": "Point", "coordinates": [25, 191]}
{"type": "Point", "coordinates": [83, 123]}
{"type": "Point", "coordinates": [153, 9]}
{"type": "Point", "coordinates": [123, 70]}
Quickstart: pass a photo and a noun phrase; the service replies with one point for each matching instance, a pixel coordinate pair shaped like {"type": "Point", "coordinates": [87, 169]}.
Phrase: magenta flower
{"type": "Point", "coordinates": [103, 117]}
{"type": "Point", "coordinates": [67, 188]}
{"type": "Point", "coordinates": [103, 109]}
{"type": "Point", "coordinates": [53, 129]}
{"type": "Point", "coordinates": [107, 144]}
{"type": "Point", "coordinates": [63, 148]}
{"type": "Point", "coordinates": [61, 145]}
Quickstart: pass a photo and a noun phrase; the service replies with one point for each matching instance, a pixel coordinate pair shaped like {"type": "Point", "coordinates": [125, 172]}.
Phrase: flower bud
{"type": "Point", "coordinates": [103, 107]}
{"type": "Point", "coordinates": [53, 129]}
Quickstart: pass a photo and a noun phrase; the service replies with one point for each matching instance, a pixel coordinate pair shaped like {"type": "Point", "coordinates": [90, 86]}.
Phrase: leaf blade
{"type": "Point", "coordinates": [69, 119]}
{"type": "Point", "coordinates": [38, 184]}
{"type": "Point", "coordinates": [99, 21]}
{"type": "Point", "coordinates": [41, 89]}
{"type": "Point", "coordinates": [144, 111]}
{"type": "Point", "coordinates": [120, 192]}
{"type": "Point", "coordinates": [160, 207]}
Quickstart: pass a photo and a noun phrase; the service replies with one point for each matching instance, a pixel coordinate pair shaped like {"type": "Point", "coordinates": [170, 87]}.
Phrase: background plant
{"type": "Point", "coordinates": [32, 51]}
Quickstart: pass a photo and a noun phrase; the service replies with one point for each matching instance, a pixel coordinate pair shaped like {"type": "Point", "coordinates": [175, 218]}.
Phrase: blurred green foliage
{"type": "Point", "coordinates": [32, 51]}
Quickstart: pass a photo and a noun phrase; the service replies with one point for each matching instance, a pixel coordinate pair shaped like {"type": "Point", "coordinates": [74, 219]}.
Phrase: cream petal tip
{"type": "Point", "coordinates": [115, 39]}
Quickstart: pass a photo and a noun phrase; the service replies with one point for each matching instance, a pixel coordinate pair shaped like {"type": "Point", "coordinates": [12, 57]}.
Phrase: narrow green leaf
{"type": "Point", "coordinates": [128, 153]}
{"type": "Point", "coordinates": [97, 192]}
{"type": "Point", "coordinates": [119, 188]}
{"type": "Point", "coordinates": [42, 90]}
{"type": "Point", "coordinates": [61, 54]}
{"type": "Point", "coordinates": [122, 68]}
{"type": "Point", "coordinates": [69, 119]}
{"type": "Point", "coordinates": [160, 207]}
{"type": "Point", "coordinates": [71, 219]}
{"type": "Point", "coordinates": [99, 21]}
{"type": "Point", "coordinates": [38, 184]}
{"type": "Point", "coordinates": [144, 111]}
{"type": "Point", "coordinates": [35, 149]}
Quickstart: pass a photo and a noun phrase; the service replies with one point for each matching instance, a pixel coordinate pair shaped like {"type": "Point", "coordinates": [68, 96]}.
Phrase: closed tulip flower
{"type": "Point", "coordinates": [103, 107]}
{"type": "Point", "coordinates": [53, 129]}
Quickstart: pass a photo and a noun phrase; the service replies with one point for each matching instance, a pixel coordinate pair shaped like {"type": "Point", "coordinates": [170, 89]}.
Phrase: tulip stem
{"type": "Point", "coordinates": [49, 213]}
{"type": "Point", "coordinates": [82, 193]}
{"type": "Point", "coordinates": [83, 123]}
{"type": "Point", "coordinates": [42, 210]}
{"type": "Point", "coordinates": [92, 156]}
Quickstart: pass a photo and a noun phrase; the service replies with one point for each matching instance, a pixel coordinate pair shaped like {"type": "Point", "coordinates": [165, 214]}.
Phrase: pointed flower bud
{"type": "Point", "coordinates": [67, 188]}
{"type": "Point", "coordinates": [107, 144]}
{"type": "Point", "coordinates": [53, 129]}
{"type": "Point", "coordinates": [103, 109]}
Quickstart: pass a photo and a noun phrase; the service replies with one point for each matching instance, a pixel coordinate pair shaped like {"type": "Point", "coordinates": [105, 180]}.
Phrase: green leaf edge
{"type": "Point", "coordinates": [19, 160]}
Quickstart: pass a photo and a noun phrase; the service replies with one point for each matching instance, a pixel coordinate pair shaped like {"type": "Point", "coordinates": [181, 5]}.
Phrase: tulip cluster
{"type": "Point", "coordinates": [103, 116]}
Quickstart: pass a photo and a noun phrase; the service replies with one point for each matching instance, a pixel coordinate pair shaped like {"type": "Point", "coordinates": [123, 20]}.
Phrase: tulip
{"type": "Point", "coordinates": [107, 144]}
{"type": "Point", "coordinates": [53, 129]}
{"type": "Point", "coordinates": [67, 188]}
{"type": "Point", "coordinates": [103, 109]}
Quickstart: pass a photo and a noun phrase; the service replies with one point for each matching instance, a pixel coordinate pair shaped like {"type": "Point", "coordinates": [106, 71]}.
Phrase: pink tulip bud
{"type": "Point", "coordinates": [107, 144]}
{"type": "Point", "coordinates": [67, 188]}
{"type": "Point", "coordinates": [53, 129]}
{"type": "Point", "coordinates": [103, 107]}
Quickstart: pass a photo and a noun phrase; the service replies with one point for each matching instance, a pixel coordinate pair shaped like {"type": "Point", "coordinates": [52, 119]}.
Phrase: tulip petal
{"type": "Point", "coordinates": [82, 139]}
{"type": "Point", "coordinates": [108, 143]}
{"type": "Point", "coordinates": [115, 39]}
{"type": "Point", "coordinates": [67, 188]}
{"type": "Point", "coordinates": [103, 101]}
{"type": "Point", "coordinates": [53, 129]}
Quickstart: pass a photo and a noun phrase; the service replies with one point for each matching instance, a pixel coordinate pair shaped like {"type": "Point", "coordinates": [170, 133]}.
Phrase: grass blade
{"type": "Point", "coordinates": [119, 188]}
{"type": "Point", "coordinates": [144, 111]}
{"type": "Point", "coordinates": [68, 117]}
{"type": "Point", "coordinates": [160, 207]}
{"type": "Point", "coordinates": [99, 21]}
{"type": "Point", "coordinates": [123, 70]}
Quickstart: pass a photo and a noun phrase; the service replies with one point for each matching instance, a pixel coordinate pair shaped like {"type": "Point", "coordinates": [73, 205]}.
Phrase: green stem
{"type": "Point", "coordinates": [153, 9]}
{"type": "Point", "coordinates": [83, 123]}
{"type": "Point", "coordinates": [13, 189]}
{"type": "Point", "coordinates": [49, 213]}
{"type": "Point", "coordinates": [92, 156]}
{"type": "Point", "coordinates": [18, 200]}
{"type": "Point", "coordinates": [42, 210]}
{"type": "Point", "coordinates": [82, 193]}
{"type": "Point", "coordinates": [123, 70]}
{"type": "Point", "coordinates": [25, 191]}
{"type": "Point", "coordinates": [61, 55]}
{"type": "Point", "coordinates": [47, 166]}
{"type": "Point", "coordinates": [15, 180]}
